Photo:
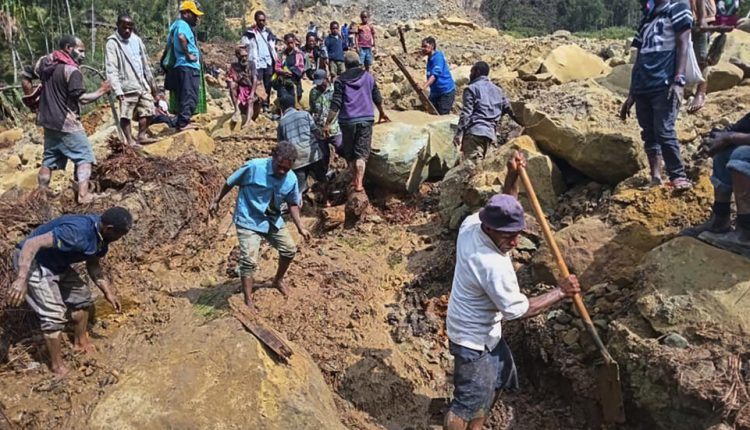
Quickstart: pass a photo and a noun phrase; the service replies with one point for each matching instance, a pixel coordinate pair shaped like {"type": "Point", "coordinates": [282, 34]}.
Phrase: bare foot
{"type": "Point", "coordinates": [84, 345]}
{"type": "Point", "coordinates": [146, 140]}
{"type": "Point", "coordinates": [251, 306]}
{"type": "Point", "coordinates": [281, 286]}
{"type": "Point", "coordinates": [698, 101]}
{"type": "Point", "coordinates": [236, 118]}
{"type": "Point", "coordinates": [187, 127]}
{"type": "Point", "coordinates": [60, 372]}
{"type": "Point", "coordinates": [89, 198]}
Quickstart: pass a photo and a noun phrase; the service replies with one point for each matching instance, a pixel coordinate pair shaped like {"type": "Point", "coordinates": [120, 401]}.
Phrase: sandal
{"type": "Point", "coordinates": [681, 184]}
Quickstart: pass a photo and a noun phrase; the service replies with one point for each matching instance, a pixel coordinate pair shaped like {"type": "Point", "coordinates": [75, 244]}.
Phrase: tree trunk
{"type": "Point", "coordinates": [70, 18]}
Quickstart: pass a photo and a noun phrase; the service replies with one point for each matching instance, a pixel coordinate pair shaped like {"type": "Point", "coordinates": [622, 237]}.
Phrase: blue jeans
{"type": "Point", "coordinates": [656, 115]}
{"type": "Point", "coordinates": [443, 102]}
{"type": "Point", "coordinates": [365, 56]}
{"type": "Point", "coordinates": [478, 376]}
{"type": "Point", "coordinates": [734, 158]}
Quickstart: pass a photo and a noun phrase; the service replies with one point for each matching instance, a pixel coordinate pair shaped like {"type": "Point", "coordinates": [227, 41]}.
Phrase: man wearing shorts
{"type": "Point", "coordinates": [298, 128]}
{"type": "Point", "coordinates": [129, 71]}
{"type": "Point", "coordinates": [354, 93]}
{"type": "Point", "coordinates": [364, 41]}
{"type": "Point", "coordinates": [59, 114]}
{"type": "Point", "coordinates": [485, 292]}
{"type": "Point", "coordinates": [52, 288]}
{"type": "Point", "coordinates": [264, 185]}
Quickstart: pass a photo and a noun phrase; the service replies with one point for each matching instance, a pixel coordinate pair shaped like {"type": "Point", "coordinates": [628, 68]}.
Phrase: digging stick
{"type": "Point", "coordinates": [608, 374]}
{"type": "Point", "coordinates": [402, 40]}
{"type": "Point", "coordinates": [111, 97]}
{"type": "Point", "coordinates": [422, 97]}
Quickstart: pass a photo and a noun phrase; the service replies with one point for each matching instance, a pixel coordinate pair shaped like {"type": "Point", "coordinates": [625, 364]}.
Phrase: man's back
{"type": "Point", "coordinates": [297, 128]}
{"type": "Point", "coordinates": [357, 91]}
{"type": "Point", "coordinates": [62, 87]}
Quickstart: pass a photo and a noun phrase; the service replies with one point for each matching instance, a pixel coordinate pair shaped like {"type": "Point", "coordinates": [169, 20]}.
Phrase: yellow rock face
{"type": "Point", "coordinates": [570, 63]}
{"type": "Point", "coordinates": [183, 142]}
{"type": "Point", "coordinates": [9, 137]}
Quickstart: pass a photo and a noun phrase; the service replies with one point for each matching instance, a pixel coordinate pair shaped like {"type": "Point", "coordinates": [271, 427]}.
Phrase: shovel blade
{"type": "Point", "coordinates": [610, 392]}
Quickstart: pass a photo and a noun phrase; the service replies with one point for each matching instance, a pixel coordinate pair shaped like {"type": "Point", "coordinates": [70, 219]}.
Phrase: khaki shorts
{"type": "Point", "coordinates": [135, 106]}
{"type": "Point", "coordinates": [250, 247]}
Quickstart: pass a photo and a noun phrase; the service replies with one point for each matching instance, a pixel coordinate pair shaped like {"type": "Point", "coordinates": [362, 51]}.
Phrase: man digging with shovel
{"type": "Point", "coordinates": [485, 292]}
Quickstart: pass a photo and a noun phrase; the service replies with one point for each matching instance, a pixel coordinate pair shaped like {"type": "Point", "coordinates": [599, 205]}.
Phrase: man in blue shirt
{"type": "Point", "coordinates": [264, 185]}
{"type": "Point", "coordinates": [658, 84]}
{"type": "Point", "coordinates": [187, 68]}
{"type": "Point", "coordinates": [335, 45]}
{"type": "Point", "coordinates": [52, 288]}
{"type": "Point", "coordinates": [439, 78]}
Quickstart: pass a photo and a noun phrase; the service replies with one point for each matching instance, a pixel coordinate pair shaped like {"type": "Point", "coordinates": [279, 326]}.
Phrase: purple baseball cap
{"type": "Point", "coordinates": [503, 213]}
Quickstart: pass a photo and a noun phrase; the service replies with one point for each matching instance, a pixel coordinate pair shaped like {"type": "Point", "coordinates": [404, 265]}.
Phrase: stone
{"type": "Point", "coordinates": [530, 68]}
{"type": "Point", "coordinates": [393, 31]}
{"type": "Point", "coordinates": [491, 32]}
{"type": "Point", "coordinates": [467, 187]}
{"type": "Point", "coordinates": [675, 341]}
{"type": "Point", "coordinates": [723, 76]}
{"type": "Point", "coordinates": [589, 246]}
{"type": "Point", "coordinates": [571, 336]}
{"type": "Point", "coordinates": [562, 34]}
{"type": "Point", "coordinates": [413, 147]}
{"type": "Point", "coordinates": [30, 153]}
{"type": "Point", "coordinates": [180, 143]}
{"type": "Point", "coordinates": [680, 295]}
{"type": "Point", "coordinates": [457, 22]}
{"type": "Point", "coordinates": [618, 79]}
{"type": "Point", "coordinates": [461, 75]}
{"type": "Point", "coordinates": [571, 62]}
{"type": "Point", "coordinates": [10, 137]}
{"type": "Point", "coordinates": [617, 61]}
{"type": "Point", "coordinates": [737, 51]}
{"type": "Point", "coordinates": [578, 123]}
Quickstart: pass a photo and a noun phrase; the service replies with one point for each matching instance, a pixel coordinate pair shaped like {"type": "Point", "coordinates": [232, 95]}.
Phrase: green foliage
{"type": "Point", "coordinates": [608, 33]}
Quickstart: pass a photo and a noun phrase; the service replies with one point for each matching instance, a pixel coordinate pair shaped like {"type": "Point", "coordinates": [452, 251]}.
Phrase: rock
{"type": "Point", "coordinates": [178, 144]}
{"type": "Point", "coordinates": [570, 62]}
{"type": "Point", "coordinates": [680, 295]}
{"type": "Point", "coordinates": [737, 51]}
{"type": "Point", "coordinates": [10, 137]}
{"type": "Point", "coordinates": [723, 76]}
{"type": "Point", "coordinates": [332, 217]}
{"type": "Point", "coordinates": [196, 357]}
{"type": "Point", "coordinates": [618, 80]}
{"type": "Point", "coordinates": [578, 123]}
{"type": "Point", "coordinates": [675, 341]}
{"type": "Point", "coordinates": [571, 336]}
{"type": "Point", "coordinates": [456, 21]}
{"type": "Point", "coordinates": [29, 154]}
{"type": "Point", "coordinates": [414, 147]}
{"type": "Point", "coordinates": [530, 68]}
{"type": "Point", "coordinates": [12, 162]}
{"type": "Point", "coordinates": [393, 31]}
{"type": "Point", "coordinates": [491, 32]}
{"type": "Point", "coordinates": [562, 34]}
{"type": "Point", "coordinates": [466, 188]}
{"type": "Point", "coordinates": [461, 75]}
{"type": "Point", "coordinates": [589, 246]}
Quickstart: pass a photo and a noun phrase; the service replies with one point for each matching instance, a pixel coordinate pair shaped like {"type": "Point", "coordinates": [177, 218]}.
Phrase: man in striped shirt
{"type": "Point", "coordinates": [658, 83]}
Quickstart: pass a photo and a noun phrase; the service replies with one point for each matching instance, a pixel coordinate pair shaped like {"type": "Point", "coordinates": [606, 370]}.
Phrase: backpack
{"type": "Point", "coordinates": [168, 60]}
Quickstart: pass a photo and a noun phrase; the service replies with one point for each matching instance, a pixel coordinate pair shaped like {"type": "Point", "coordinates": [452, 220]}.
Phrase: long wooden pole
{"type": "Point", "coordinates": [422, 97]}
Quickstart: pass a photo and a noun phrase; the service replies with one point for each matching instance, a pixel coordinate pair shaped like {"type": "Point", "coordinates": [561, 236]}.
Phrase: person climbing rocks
{"type": "Point", "coordinates": [439, 79]}
{"type": "Point", "coordinates": [185, 76]}
{"type": "Point", "coordinates": [364, 41]}
{"type": "Point", "coordinates": [52, 288]}
{"type": "Point", "coordinates": [354, 94]}
{"type": "Point", "coordinates": [264, 42]}
{"type": "Point", "coordinates": [484, 105]}
{"type": "Point", "coordinates": [298, 128]}
{"type": "Point", "coordinates": [264, 185]}
{"type": "Point", "coordinates": [241, 82]}
{"type": "Point", "coordinates": [485, 292]}
{"type": "Point", "coordinates": [129, 71]}
{"type": "Point", "coordinates": [59, 114]}
{"type": "Point", "coordinates": [321, 97]}
{"type": "Point", "coordinates": [336, 45]}
{"type": "Point", "coordinates": [658, 84]}
{"type": "Point", "coordinates": [730, 150]}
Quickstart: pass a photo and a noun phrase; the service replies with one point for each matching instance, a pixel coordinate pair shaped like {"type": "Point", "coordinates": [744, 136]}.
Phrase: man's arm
{"type": "Point", "coordinates": [96, 273]}
{"type": "Point", "coordinates": [377, 98]}
{"type": "Point", "coordinates": [511, 185]}
{"type": "Point", "coordinates": [466, 110]}
{"type": "Point", "coordinates": [111, 67]}
{"type": "Point", "coordinates": [683, 44]}
{"type": "Point", "coordinates": [28, 252]}
{"type": "Point", "coordinates": [214, 208]}
{"type": "Point", "coordinates": [429, 82]}
{"type": "Point", "coordinates": [184, 46]}
{"type": "Point", "coordinates": [294, 210]}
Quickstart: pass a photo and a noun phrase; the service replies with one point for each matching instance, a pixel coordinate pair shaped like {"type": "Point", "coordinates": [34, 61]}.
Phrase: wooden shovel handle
{"type": "Point", "coordinates": [550, 238]}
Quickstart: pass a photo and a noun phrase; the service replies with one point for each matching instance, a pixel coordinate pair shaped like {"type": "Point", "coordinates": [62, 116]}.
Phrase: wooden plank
{"type": "Point", "coordinates": [422, 97]}
{"type": "Point", "coordinates": [254, 324]}
{"type": "Point", "coordinates": [401, 38]}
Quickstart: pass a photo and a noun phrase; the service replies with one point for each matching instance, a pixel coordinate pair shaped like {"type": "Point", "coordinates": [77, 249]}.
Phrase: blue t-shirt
{"type": "Point", "coordinates": [335, 46]}
{"type": "Point", "coordinates": [261, 194]}
{"type": "Point", "coordinates": [438, 67]}
{"type": "Point", "coordinates": [181, 27]}
{"type": "Point", "coordinates": [76, 239]}
{"type": "Point", "coordinates": [656, 40]}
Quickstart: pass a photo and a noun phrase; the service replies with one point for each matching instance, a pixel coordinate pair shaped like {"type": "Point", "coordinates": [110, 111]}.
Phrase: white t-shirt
{"type": "Point", "coordinates": [485, 290]}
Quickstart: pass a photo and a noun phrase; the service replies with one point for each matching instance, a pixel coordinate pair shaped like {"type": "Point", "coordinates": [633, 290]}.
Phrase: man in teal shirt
{"type": "Point", "coordinates": [187, 67]}
{"type": "Point", "coordinates": [264, 184]}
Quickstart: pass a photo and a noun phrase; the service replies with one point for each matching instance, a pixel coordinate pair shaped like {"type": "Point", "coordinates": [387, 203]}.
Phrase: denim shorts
{"type": "Point", "coordinates": [59, 147]}
{"type": "Point", "coordinates": [365, 56]}
{"type": "Point", "coordinates": [478, 376]}
{"type": "Point", "coordinates": [734, 158]}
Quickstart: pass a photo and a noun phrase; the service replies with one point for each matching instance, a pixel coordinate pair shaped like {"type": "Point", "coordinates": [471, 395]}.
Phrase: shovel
{"type": "Point", "coordinates": [607, 372]}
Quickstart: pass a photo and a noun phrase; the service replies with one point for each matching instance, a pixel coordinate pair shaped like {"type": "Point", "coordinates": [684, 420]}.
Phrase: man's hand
{"type": "Point", "coordinates": [304, 233]}
{"type": "Point", "coordinates": [113, 300]}
{"type": "Point", "coordinates": [213, 209]}
{"type": "Point", "coordinates": [516, 162]}
{"type": "Point", "coordinates": [457, 139]}
{"type": "Point", "coordinates": [192, 58]}
{"type": "Point", "coordinates": [569, 286]}
{"type": "Point", "coordinates": [383, 118]}
{"type": "Point", "coordinates": [715, 142]}
{"type": "Point", "coordinates": [626, 106]}
{"type": "Point", "coordinates": [678, 92]}
{"type": "Point", "coordinates": [105, 87]}
{"type": "Point", "coordinates": [17, 292]}
{"type": "Point", "coordinates": [425, 86]}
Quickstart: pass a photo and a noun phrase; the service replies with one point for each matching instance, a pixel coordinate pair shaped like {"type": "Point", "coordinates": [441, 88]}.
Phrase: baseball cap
{"type": "Point", "coordinates": [503, 213]}
{"type": "Point", "coordinates": [191, 7]}
{"type": "Point", "coordinates": [319, 76]}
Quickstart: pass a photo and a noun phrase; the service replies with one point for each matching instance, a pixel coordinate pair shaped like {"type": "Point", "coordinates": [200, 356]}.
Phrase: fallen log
{"type": "Point", "coordinates": [266, 335]}
{"type": "Point", "coordinates": [422, 97]}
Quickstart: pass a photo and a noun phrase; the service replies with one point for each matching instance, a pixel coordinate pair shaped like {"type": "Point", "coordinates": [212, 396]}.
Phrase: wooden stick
{"type": "Point", "coordinates": [264, 334]}
{"type": "Point", "coordinates": [422, 97]}
{"type": "Point", "coordinates": [401, 38]}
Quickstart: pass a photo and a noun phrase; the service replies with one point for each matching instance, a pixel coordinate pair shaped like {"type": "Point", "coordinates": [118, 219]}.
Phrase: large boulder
{"type": "Point", "coordinates": [618, 80]}
{"type": "Point", "coordinates": [571, 62]}
{"type": "Point", "coordinates": [724, 76]}
{"type": "Point", "coordinates": [10, 137]}
{"type": "Point", "coordinates": [737, 50]}
{"type": "Point", "coordinates": [467, 187]}
{"type": "Point", "coordinates": [413, 147]}
{"type": "Point", "coordinates": [578, 123]}
{"type": "Point", "coordinates": [180, 143]}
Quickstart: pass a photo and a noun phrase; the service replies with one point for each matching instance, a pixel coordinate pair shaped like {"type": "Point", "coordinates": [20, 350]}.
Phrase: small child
{"type": "Point", "coordinates": [161, 114]}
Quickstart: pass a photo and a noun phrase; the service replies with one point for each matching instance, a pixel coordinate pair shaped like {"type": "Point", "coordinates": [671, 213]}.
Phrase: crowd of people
{"type": "Point", "coordinates": [340, 119]}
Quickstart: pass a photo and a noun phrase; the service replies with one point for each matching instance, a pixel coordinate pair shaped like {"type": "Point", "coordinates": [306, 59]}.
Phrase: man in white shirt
{"type": "Point", "coordinates": [264, 51]}
{"type": "Point", "coordinates": [485, 292]}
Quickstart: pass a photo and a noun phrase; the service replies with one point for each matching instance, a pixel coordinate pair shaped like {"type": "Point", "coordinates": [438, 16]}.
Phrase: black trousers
{"type": "Point", "coordinates": [188, 85]}
{"type": "Point", "coordinates": [265, 76]}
